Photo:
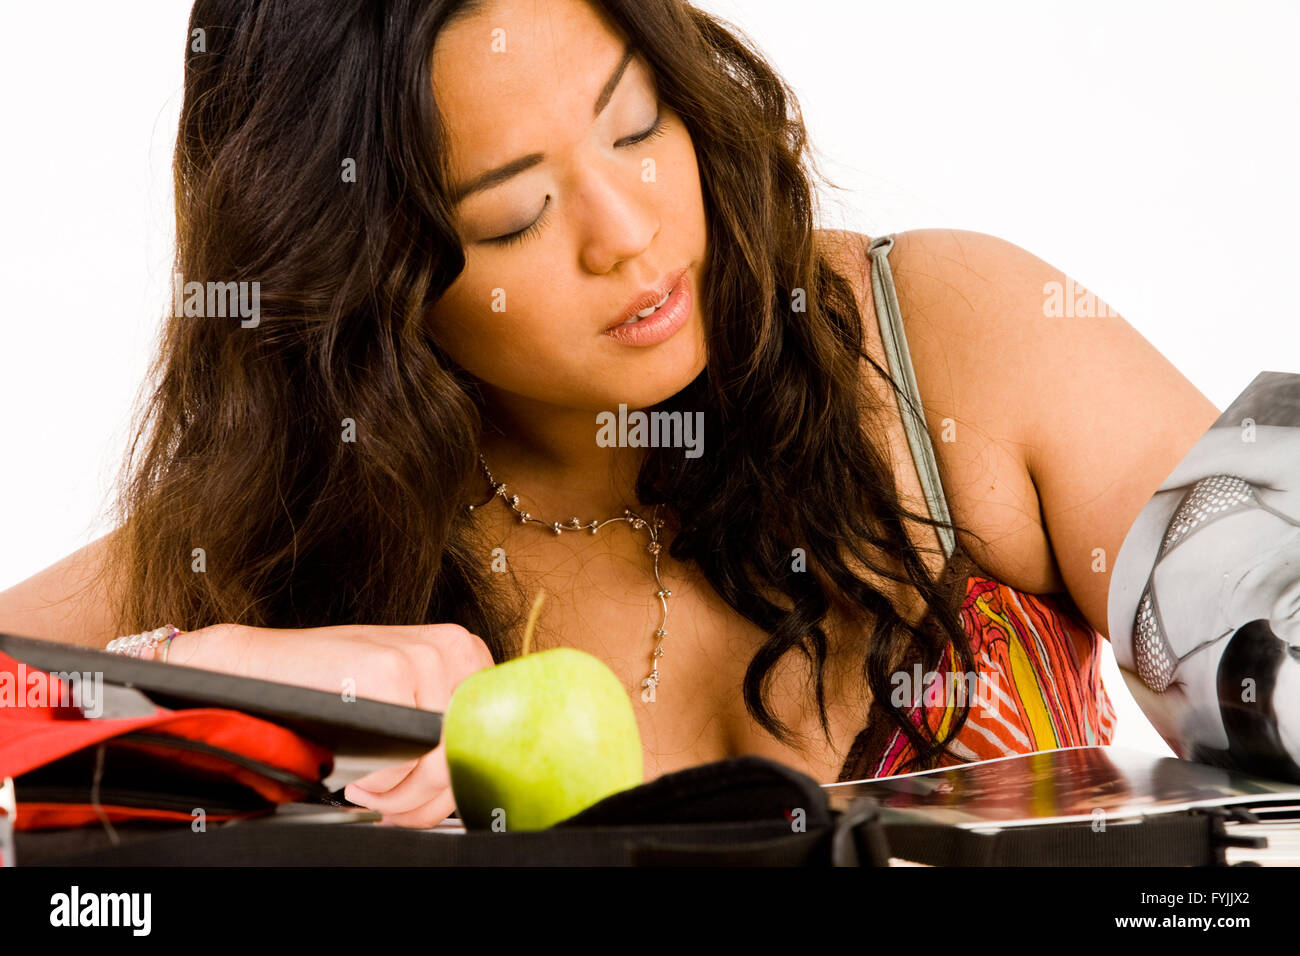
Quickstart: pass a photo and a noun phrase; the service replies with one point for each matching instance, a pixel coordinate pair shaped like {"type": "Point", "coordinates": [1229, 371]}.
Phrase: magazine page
{"type": "Point", "coordinates": [1204, 600]}
{"type": "Point", "coordinates": [1070, 784]}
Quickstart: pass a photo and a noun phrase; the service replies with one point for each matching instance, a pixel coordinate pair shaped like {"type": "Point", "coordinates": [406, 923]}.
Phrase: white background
{"type": "Point", "coordinates": [1147, 149]}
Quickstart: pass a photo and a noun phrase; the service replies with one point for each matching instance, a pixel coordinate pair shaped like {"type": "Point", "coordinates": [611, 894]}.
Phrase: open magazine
{"type": "Point", "coordinates": [1204, 601]}
{"type": "Point", "coordinates": [1095, 787]}
{"type": "Point", "coordinates": [1067, 785]}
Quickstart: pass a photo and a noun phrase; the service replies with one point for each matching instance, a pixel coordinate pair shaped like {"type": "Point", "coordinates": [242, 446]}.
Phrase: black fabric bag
{"type": "Point", "coordinates": [743, 811]}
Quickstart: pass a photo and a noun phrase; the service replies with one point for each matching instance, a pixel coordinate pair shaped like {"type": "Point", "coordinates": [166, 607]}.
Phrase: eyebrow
{"type": "Point", "coordinates": [494, 177]}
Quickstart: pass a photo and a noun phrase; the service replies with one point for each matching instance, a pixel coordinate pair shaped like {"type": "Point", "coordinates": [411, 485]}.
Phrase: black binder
{"type": "Point", "coordinates": [360, 727]}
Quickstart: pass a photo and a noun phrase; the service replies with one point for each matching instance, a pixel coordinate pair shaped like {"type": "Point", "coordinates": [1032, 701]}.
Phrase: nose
{"type": "Point", "coordinates": [619, 214]}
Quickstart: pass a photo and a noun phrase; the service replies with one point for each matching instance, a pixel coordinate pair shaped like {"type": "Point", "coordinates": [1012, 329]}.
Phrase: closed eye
{"type": "Point", "coordinates": [523, 235]}
{"type": "Point", "coordinates": [654, 132]}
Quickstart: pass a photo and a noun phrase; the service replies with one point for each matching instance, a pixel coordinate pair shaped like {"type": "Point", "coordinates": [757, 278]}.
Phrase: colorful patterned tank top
{"type": "Point", "coordinates": [1038, 684]}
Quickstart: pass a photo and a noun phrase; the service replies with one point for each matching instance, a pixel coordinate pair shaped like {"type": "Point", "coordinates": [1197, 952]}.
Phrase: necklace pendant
{"type": "Point", "coordinates": [651, 683]}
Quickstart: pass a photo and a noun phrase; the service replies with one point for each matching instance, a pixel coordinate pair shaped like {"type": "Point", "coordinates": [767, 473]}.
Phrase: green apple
{"type": "Point", "coordinates": [539, 738]}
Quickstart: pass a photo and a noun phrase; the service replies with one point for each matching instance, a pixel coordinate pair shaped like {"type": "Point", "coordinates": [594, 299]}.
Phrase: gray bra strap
{"type": "Point", "coordinates": [900, 366]}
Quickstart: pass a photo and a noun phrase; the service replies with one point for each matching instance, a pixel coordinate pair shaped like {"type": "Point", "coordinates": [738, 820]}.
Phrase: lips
{"type": "Point", "coordinates": [648, 299]}
{"type": "Point", "coordinates": [647, 312]}
{"type": "Point", "coordinates": [660, 325]}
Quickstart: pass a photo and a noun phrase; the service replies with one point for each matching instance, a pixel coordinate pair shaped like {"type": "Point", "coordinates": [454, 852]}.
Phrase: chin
{"type": "Point", "coordinates": [654, 389]}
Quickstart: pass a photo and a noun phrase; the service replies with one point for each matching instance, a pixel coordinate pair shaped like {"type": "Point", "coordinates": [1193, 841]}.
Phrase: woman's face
{"type": "Point", "coordinates": [604, 217]}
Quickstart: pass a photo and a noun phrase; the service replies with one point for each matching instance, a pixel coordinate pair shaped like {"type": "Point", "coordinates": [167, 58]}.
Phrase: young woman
{"type": "Point", "coordinates": [905, 463]}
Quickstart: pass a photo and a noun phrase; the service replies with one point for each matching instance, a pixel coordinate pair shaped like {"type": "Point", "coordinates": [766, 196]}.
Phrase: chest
{"type": "Point", "coordinates": [602, 599]}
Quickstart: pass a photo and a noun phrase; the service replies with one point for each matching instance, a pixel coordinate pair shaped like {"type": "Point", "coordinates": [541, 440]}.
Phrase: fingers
{"type": "Point", "coordinates": [384, 779]}
{"type": "Point", "coordinates": [408, 793]}
{"type": "Point", "coordinates": [429, 815]}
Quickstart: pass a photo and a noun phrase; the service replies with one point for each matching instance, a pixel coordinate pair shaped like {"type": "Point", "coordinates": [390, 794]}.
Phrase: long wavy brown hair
{"type": "Point", "coordinates": [238, 458]}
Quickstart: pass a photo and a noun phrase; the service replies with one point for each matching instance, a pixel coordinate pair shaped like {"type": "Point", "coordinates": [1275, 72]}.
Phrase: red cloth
{"type": "Point", "coordinates": [35, 736]}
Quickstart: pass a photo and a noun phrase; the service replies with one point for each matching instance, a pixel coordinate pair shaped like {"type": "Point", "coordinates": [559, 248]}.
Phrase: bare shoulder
{"type": "Point", "coordinates": [1054, 421]}
{"type": "Point", "coordinates": [956, 290]}
{"type": "Point", "coordinates": [67, 601]}
{"type": "Point", "coordinates": [969, 411]}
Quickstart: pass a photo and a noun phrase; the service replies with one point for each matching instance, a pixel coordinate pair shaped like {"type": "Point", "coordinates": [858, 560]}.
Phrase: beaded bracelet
{"type": "Point", "coordinates": [136, 644]}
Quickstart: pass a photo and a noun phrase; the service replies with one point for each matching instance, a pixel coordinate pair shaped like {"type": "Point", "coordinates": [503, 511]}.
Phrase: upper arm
{"type": "Point", "coordinates": [67, 602]}
{"type": "Point", "coordinates": [1093, 417]}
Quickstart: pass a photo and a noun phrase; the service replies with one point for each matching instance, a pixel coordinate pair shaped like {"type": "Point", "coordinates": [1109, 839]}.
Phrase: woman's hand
{"type": "Point", "coordinates": [414, 666]}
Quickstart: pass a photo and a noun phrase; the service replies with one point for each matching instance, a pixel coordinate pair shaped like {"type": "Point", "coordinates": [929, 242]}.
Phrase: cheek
{"type": "Point", "coordinates": [455, 324]}
{"type": "Point", "coordinates": [499, 332]}
{"type": "Point", "coordinates": [676, 176]}
{"type": "Point", "coordinates": [683, 177]}
{"type": "Point", "coordinates": [472, 325]}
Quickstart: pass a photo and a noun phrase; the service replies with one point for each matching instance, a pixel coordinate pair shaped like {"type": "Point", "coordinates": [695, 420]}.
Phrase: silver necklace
{"type": "Point", "coordinates": [573, 524]}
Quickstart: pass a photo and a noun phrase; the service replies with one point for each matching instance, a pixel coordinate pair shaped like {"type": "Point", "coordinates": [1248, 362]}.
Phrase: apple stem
{"type": "Point", "coordinates": [533, 615]}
